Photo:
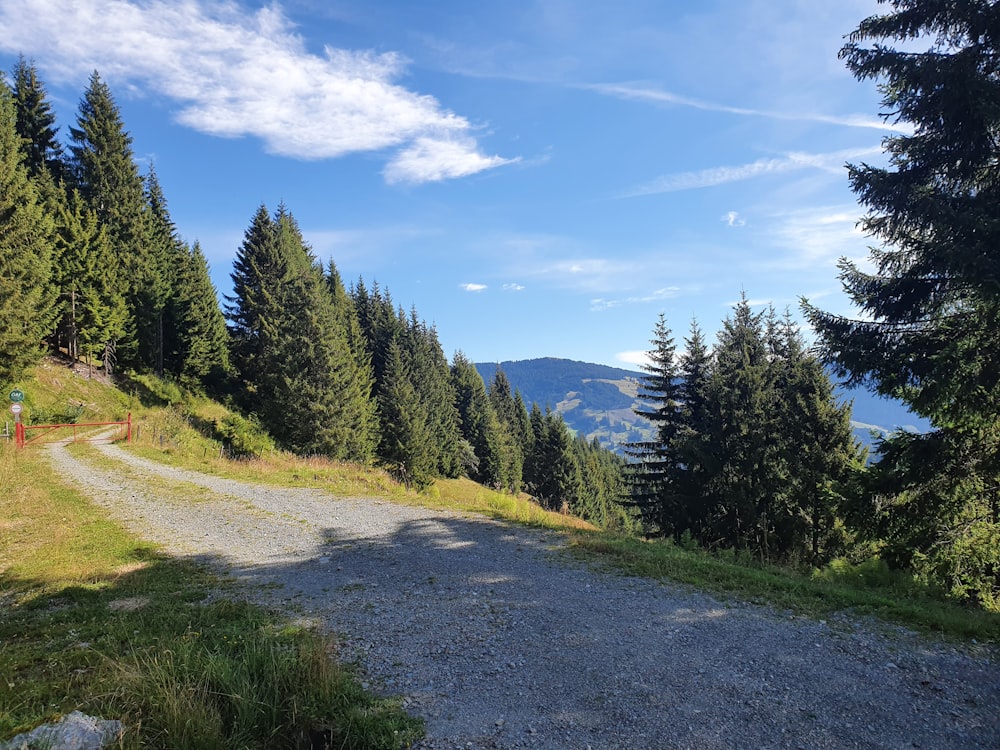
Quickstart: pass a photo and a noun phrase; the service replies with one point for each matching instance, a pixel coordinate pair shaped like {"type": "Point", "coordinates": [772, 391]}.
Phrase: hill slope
{"type": "Point", "coordinates": [597, 400]}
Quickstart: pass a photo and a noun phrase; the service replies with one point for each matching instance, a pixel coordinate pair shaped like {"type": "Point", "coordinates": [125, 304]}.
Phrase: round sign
{"type": "Point", "coordinates": [15, 408]}
{"type": "Point", "coordinates": [17, 395]}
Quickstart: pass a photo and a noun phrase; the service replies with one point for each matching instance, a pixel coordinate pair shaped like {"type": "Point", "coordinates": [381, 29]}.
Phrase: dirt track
{"type": "Point", "coordinates": [500, 640]}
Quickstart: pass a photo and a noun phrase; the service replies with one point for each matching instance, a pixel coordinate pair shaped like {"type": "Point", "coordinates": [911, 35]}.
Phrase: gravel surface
{"type": "Point", "coordinates": [499, 639]}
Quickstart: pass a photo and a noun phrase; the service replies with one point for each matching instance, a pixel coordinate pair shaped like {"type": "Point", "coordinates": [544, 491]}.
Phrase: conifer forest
{"type": "Point", "coordinates": [751, 450]}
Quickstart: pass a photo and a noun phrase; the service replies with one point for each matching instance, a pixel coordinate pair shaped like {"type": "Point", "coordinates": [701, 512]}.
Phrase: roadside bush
{"type": "Point", "coordinates": [243, 436]}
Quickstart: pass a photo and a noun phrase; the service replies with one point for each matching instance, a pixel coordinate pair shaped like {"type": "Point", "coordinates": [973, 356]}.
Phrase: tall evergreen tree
{"type": "Point", "coordinates": [515, 434]}
{"type": "Point", "coordinates": [36, 122]}
{"type": "Point", "coordinates": [478, 422]}
{"type": "Point", "coordinates": [164, 252]}
{"type": "Point", "coordinates": [253, 309]}
{"type": "Point", "coordinates": [26, 296]}
{"type": "Point", "coordinates": [552, 466]}
{"type": "Point", "coordinates": [104, 170]}
{"type": "Point", "coordinates": [432, 381]}
{"type": "Point", "coordinates": [931, 306]}
{"type": "Point", "coordinates": [697, 454]}
{"type": "Point", "coordinates": [294, 358]}
{"type": "Point", "coordinates": [199, 355]}
{"type": "Point", "coordinates": [744, 400]}
{"type": "Point", "coordinates": [407, 439]}
{"type": "Point", "coordinates": [653, 474]}
{"type": "Point", "coordinates": [92, 304]}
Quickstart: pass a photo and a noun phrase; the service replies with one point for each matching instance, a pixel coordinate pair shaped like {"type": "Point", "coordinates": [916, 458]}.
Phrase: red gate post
{"type": "Point", "coordinates": [129, 439]}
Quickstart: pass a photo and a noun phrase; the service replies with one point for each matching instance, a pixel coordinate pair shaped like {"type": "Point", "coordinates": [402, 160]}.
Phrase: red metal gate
{"type": "Point", "coordinates": [45, 430]}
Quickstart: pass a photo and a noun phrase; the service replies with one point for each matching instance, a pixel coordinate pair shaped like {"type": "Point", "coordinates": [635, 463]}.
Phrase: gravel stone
{"type": "Point", "coordinates": [499, 639]}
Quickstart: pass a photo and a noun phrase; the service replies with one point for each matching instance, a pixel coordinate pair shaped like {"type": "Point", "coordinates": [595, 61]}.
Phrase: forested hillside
{"type": "Point", "coordinates": [599, 402]}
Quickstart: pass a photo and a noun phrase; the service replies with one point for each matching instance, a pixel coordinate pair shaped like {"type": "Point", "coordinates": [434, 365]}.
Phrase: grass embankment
{"type": "Point", "coordinates": [93, 619]}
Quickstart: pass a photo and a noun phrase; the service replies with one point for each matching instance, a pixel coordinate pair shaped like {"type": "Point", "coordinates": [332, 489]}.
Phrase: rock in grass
{"type": "Point", "coordinates": [75, 731]}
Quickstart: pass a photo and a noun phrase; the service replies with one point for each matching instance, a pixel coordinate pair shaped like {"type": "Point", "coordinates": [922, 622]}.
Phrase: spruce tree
{"type": "Point", "coordinates": [653, 472]}
{"type": "Point", "coordinates": [164, 252]}
{"type": "Point", "coordinates": [697, 440]}
{"type": "Point", "coordinates": [92, 304]}
{"type": "Point", "coordinates": [555, 478]}
{"type": "Point", "coordinates": [407, 439]}
{"type": "Point", "coordinates": [744, 400]}
{"type": "Point", "coordinates": [288, 345]}
{"type": "Point", "coordinates": [252, 311]}
{"type": "Point", "coordinates": [26, 246]}
{"type": "Point", "coordinates": [514, 439]}
{"type": "Point", "coordinates": [199, 356]}
{"type": "Point", "coordinates": [36, 122]}
{"type": "Point", "coordinates": [104, 170]}
{"type": "Point", "coordinates": [478, 422]}
{"type": "Point", "coordinates": [931, 305]}
{"type": "Point", "coordinates": [432, 381]}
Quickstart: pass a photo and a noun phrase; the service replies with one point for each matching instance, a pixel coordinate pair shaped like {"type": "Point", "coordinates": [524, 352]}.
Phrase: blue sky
{"type": "Point", "coordinates": [537, 177]}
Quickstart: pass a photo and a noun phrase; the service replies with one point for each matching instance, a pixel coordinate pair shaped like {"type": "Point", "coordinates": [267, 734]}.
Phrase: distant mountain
{"type": "Point", "coordinates": [597, 400]}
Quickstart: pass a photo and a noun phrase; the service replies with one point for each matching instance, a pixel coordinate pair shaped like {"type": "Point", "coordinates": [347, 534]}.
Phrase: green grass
{"type": "Point", "coordinates": [864, 589]}
{"type": "Point", "coordinates": [94, 619]}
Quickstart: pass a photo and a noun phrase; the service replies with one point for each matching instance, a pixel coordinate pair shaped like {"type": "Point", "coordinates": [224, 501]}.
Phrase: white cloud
{"type": "Point", "coordinates": [430, 159]}
{"type": "Point", "coordinates": [637, 358]}
{"type": "Point", "coordinates": [829, 162]}
{"type": "Point", "coordinates": [473, 287]}
{"type": "Point", "coordinates": [234, 73]}
{"type": "Point", "coordinates": [513, 288]}
{"type": "Point", "coordinates": [626, 91]}
{"type": "Point", "coordinates": [733, 219]}
{"type": "Point", "coordinates": [600, 304]}
{"type": "Point", "coordinates": [818, 236]}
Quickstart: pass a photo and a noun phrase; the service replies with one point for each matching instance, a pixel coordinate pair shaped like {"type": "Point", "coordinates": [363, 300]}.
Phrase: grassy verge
{"type": "Point", "coordinates": [93, 619]}
{"type": "Point", "coordinates": [862, 589]}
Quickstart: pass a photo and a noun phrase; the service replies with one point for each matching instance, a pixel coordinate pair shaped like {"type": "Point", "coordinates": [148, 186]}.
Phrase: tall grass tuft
{"type": "Point", "coordinates": [251, 687]}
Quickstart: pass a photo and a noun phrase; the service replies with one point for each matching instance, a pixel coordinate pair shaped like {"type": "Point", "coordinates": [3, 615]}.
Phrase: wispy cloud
{"type": "Point", "coordinates": [733, 219]}
{"type": "Point", "coordinates": [629, 91]}
{"type": "Point", "coordinates": [816, 237]}
{"type": "Point", "coordinates": [473, 287]}
{"type": "Point", "coordinates": [234, 73]}
{"type": "Point", "coordinates": [832, 162]}
{"type": "Point", "coordinates": [513, 288]}
{"type": "Point", "coordinates": [636, 358]}
{"type": "Point", "coordinates": [600, 304]}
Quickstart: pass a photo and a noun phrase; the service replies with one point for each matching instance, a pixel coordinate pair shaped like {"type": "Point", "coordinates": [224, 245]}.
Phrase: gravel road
{"type": "Point", "coordinates": [499, 639]}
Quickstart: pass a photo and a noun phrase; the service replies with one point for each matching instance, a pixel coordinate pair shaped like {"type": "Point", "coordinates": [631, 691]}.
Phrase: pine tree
{"type": "Point", "coordinates": [164, 251]}
{"type": "Point", "coordinates": [199, 355]}
{"type": "Point", "coordinates": [104, 170]}
{"type": "Point", "coordinates": [819, 451]}
{"type": "Point", "coordinates": [744, 399]}
{"type": "Point", "coordinates": [653, 472]}
{"type": "Point", "coordinates": [92, 305]}
{"type": "Point", "coordinates": [252, 311]}
{"type": "Point", "coordinates": [555, 478]}
{"type": "Point", "coordinates": [697, 440]}
{"type": "Point", "coordinates": [478, 422]}
{"type": "Point", "coordinates": [293, 356]}
{"type": "Point", "coordinates": [604, 492]}
{"type": "Point", "coordinates": [514, 438]}
{"type": "Point", "coordinates": [36, 122]}
{"type": "Point", "coordinates": [931, 306]}
{"type": "Point", "coordinates": [432, 381]}
{"type": "Point", "coordinates": [26, 297]}
{"type": "Point", "coordinates": [406, 433]}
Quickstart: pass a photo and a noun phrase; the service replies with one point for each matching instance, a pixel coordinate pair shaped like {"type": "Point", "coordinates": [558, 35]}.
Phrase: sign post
{"type": "Point", "coordinates": [15, 409]}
